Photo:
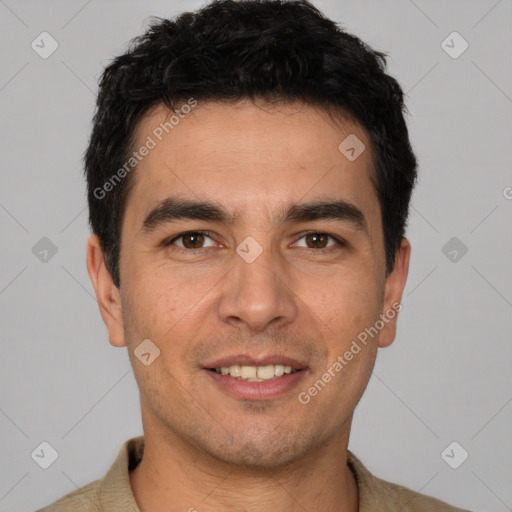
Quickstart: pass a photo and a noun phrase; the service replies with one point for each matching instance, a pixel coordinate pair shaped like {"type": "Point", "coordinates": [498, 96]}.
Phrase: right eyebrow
{"type": "Point", "coordinates": [171, 209]}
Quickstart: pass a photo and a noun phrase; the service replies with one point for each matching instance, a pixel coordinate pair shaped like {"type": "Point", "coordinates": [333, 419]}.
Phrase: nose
{"type": "Point", "coordinates": [258, 294]}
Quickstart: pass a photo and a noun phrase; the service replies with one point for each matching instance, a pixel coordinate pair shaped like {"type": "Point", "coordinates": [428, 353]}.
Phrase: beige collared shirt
{"type": "Point", "coordinates": [113, 493]}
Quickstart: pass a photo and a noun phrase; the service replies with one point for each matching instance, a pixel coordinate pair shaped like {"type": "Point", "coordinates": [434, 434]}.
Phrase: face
{"type": "Point", "coordinates": [251, 245]}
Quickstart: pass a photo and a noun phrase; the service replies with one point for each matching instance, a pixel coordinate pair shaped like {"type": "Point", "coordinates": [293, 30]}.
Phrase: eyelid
{"type": "Point", "coordinates": [339, 241]}
{"type": "Point", "coordinates": [171, 240]}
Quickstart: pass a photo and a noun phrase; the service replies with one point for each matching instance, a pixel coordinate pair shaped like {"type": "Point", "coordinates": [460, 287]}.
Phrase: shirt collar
{"type": "Point", "coordinates": [115, 491]}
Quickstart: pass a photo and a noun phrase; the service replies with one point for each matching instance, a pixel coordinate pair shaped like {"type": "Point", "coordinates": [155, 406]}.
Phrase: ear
{"type": "Point", "coordinates": [395, 284]}
{"type": "Point", "coordinates": [107, 294]}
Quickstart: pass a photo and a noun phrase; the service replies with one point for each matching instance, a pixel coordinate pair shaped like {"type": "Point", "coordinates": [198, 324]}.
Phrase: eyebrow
{"type": "Point", "coordinates": [173, 209]}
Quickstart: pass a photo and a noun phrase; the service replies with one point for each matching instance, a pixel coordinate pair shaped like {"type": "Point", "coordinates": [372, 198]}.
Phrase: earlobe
{"type": "Point", "coordinates": [394, 288]}
{"type": "Point", "coordinates": [107, 294]}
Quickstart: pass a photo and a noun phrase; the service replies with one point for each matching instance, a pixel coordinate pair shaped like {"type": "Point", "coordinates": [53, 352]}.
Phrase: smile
{"type": "Point", "coordinates": [255, 373]}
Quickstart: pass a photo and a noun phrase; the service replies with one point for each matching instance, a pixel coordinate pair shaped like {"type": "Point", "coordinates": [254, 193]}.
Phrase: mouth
{"type": "Point", "coordinates": [264, 373]}
{"type": "Point", "coordinates": [249, 378]}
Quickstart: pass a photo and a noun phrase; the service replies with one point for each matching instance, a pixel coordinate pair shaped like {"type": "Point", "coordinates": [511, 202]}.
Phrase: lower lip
{"type": "Point", "coordinates": [257, 390]}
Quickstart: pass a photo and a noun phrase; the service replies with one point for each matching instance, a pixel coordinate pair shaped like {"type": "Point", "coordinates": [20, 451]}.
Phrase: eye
{"type": "Point", "coordinates": [191, 240]}
{"type": "Point", "coordinates": [196, 240]}
{"type": "Point", "coordinates": [320, 240]}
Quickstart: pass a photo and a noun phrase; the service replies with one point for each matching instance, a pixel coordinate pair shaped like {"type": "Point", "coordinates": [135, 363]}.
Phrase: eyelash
{"type": "Point", "coordinates": [339, 242]}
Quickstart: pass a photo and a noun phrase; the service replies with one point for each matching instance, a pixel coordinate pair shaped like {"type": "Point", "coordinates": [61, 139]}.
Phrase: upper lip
{"type": "Point", "coordinates": [261, 360]}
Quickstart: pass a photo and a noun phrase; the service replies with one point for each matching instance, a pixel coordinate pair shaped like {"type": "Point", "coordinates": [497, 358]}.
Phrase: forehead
{"type": "Point", "coordinates": [251, 158]}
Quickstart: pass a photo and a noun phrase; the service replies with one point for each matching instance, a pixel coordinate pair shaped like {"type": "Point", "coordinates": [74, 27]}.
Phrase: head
{"type": "Point", "coordinates": [277, 143]}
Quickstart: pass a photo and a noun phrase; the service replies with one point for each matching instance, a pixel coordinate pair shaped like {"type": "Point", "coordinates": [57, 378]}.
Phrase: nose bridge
{"type": "Point", "coordinates": [256, 292]}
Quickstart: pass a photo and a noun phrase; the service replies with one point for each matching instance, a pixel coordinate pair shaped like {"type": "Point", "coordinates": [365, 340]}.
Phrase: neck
{"type": "Point", "coordinates": [174, 474]}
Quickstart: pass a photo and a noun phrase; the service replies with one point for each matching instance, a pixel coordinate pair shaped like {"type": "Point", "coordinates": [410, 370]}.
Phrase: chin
{"type": "Point", "coordinates": [263, 451]}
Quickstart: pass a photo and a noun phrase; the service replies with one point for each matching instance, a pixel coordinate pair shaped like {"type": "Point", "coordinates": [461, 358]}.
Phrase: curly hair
{"type": "Point", "coordinates": [229, 50]}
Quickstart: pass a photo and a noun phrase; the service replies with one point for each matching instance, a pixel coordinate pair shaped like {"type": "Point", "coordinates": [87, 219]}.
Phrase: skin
{"type": "Point", "coordinates": [205, 449]}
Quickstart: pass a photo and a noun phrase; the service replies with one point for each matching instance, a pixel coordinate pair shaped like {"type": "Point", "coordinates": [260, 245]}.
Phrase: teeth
{"type": "Point", "coordinates": [265, 372]}
{"type": "Point", "coordinates": [248, 372]}
{"type": "Point", "coordinates": [255, 373]}
{"type": "Point", "coordinates": [234, 370]}
{"type": "Point", "coordinates": [279, 370]}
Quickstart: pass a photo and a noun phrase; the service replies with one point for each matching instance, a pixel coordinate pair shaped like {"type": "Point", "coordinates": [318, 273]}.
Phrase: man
{"type": "Point", "coordinates": [249, 176]}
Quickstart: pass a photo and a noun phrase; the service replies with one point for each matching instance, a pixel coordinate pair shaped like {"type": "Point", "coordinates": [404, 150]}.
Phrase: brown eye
{"type": "Point", "coordinates": [191, 240]}
{"type": "Point", "coordinates": [317, 240]}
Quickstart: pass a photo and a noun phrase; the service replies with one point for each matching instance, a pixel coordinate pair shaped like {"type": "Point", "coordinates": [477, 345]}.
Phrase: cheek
{"type": "Point", "coordinates": [348, 302]}
{"type": "Point", "coordinates": [150, 307]}
{"type": "Point", "coordinates": [170, 314]}
{"type": "Point", "coordinates": [351, 307]}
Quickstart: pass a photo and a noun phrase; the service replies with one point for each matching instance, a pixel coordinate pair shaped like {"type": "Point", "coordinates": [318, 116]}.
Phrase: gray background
{"type": "Point", "coordinates": [446, 378]}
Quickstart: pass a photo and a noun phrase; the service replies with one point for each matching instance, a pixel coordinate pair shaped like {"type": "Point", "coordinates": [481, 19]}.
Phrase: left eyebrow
{"type": "Point", "coordinates": [339, 210]}
{"type": "Point", "coordinates": [172, 209]}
